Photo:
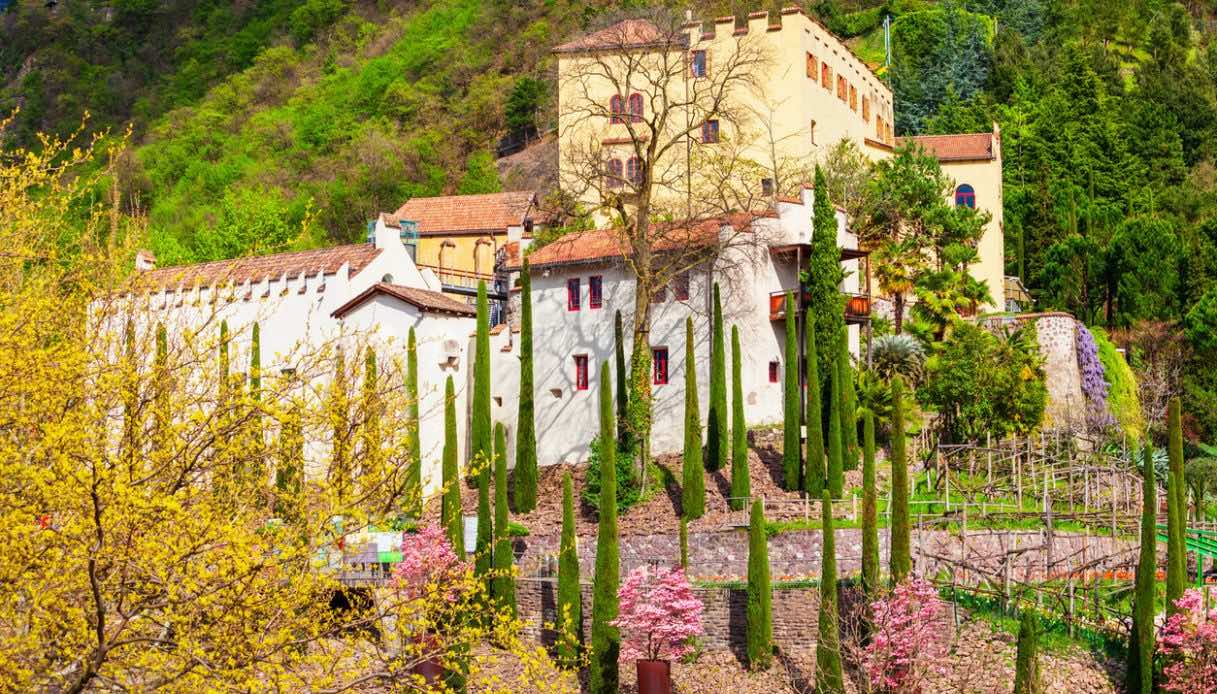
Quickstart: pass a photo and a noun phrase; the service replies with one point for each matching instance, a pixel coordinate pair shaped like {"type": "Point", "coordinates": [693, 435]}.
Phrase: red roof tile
{"type": "Point", "coordinates": [424, 299]}
{"type": "Point", "coordinates": [967, 147]}
{"type": "Point", "coordinates": [630, 33]}
{"type": "Point", "coordinates": [491, 212]}
{"type": "Point", "coordinates": [327, 261]}
{"type": "Point", "coordinates": [598, 244]}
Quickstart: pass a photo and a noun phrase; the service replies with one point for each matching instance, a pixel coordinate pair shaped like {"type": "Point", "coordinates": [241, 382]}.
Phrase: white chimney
{"type": "Point", "coordinates": [144, 260]}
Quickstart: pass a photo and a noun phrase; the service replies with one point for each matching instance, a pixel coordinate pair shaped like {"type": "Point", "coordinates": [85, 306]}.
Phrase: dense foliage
{"type": "Point", "coordinates": [1189, 642]}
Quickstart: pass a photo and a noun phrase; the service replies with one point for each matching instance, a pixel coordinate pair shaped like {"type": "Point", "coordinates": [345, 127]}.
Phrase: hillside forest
{"type": "Point", "coordinates": [254, 127]}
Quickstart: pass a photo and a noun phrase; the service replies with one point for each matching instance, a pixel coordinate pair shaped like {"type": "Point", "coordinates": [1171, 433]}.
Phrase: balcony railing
{"type": "Point", "coordinates": [857, 306]}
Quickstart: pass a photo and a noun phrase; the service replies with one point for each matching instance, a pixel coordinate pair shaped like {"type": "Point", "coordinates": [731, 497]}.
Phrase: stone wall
{"type": "Point", "coordinates": [723, 555]}
{"type": "Point", "coordinates": [1058, 345]}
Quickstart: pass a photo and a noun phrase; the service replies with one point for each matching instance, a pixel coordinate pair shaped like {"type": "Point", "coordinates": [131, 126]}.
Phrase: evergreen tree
{"type": "Point", "coordinates": [606, 639]}
{"type": "Point", "coordinates": [479, 425]}
{"type": "Point", "coordinates": [569, 622]}
{"type": "Point", "coordinates": [741, 485]}
{"type": "Point", "coordinates": [1026, 663]}
{"type": "Point", "coordinates": [717, 440]}
{"type": "Point", "coordinates": [849, 407]}
{"type": "Point", "coordinates": [450, 506]}
{"type": "Point", "coordinates": [791, 402]}
{"type": "Point", "coordinates": [483, 552]}
{"type": "Point", "coordinates": [693, 482]}
{"type": "Point", "coordinates": [760, 597]}
{"type": "Point", "coordinates": [836, 452]}
{"type": "Point", "coordinates": [225, 376]}
{"type": "Point", "coordinates": [1140, 670]}
{"type": "Point", "coordinates": [339, 414]}
{"type": "Point", "coordinates": [624, 440]}
{"type": "Point", "coordinates": [1176, 511]}
{"type": "Point", "coordinates": [829, 677]}
{"type": "Point", "coordinates": [373, 465]}
{"type": "Point", "coordinates": [526, 428]}
{"type": "Point", "coordinates": [414, 463]}
{"type": "Point", "coordinates": [826, 310]}
{"type": "Point", "coordinates": [870, 520]}
{"type": "Point", "coordinates": [901, 549]}
{"type": "Point", "coordinates": [503, 587]}
{"type": "Point", "coordinates": [258, 473]}
{"type": "Point", "coordinates": [162, 416]}
{"type": "Point", "coordinates": [289, 467]}
{"type": "Point", "coordinates": [815, 468]}
{"type": "Point", "coordinates": [684, 543]}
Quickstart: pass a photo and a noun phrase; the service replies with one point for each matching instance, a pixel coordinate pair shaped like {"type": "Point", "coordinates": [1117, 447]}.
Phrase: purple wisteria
{"type": "Point", "coordinates": [1094, 383]}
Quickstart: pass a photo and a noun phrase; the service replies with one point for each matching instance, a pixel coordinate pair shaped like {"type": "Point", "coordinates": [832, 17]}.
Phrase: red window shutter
{"type": "Point", "coordinates": [595, 291]}
{"type": "Point", "coordinates": [636, 107]}
{"type": "Point", "coordinates": [659, 359]}
{"type": "Point", "coordinates": [580, 372]}
{"type": "Point", "coordinates": [773, 372]}
{"type": "Point", "coordinates": [572, 294]}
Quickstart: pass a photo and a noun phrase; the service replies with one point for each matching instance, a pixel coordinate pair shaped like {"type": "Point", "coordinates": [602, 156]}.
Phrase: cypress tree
{"type": "Point", "coordinates": [836, 452]}
{"type": "Point", "coordinates": [1026, 664]}
{"type": "Point", "coordinates": [479, 426]}
{"type": "Point", "coordinates": [693, 482]}
{"type": "Point", "coordinates": [414, 464]}
{"type": "Point", "coordinates": [526, 427]}
{"type": "Point", "coordinates": [1176, 507]}
{"type": "Point", "coordinates": [829, 676]}
{"type": "Point", "coordinates": [791, 402]}
{"type": "Point", "coordinates": [760, 597]}
{"type": "Point", "coordinates": [901, 557]}
{"type": "Point", "coordinates": [684, 543]}
{"type": "Point", "coordinates": [826, 311]}
{"type": "Point", "coordinates": [815, 469]}
{"type": "Point", "coordinates": [870, 520]}
{"type": "Point", "coordinates": [717, 441]}
{"type": "Point", "coordinates": [1140, 670]}
{"type": "Point", "coordinates": [258, 473]}
{"type": "Point", "coordinates": [606, 639]}
{"type": "Point", "coordinates": [339, 412]}
{"type": "Point", "coordinates": [624, 440]}
{"type": "Point", "coordinates": [161, 415]}
{"type": "Point", "coordinates": [503, 586]}
{"type": "Point", "coordinates": [569, 620]}
{"type": "Point", "coordinates": [224, 370]}
{"type": "Point", "coordinates": [289, 467]}
{"type": "Point", "coordinates": [374, 459]}
{"type": "Point", "coordinates": [741, 485]}
{"type": "Point", "coordinates": [450, 506]}
{"type": "Point", "coordinates": [849, 407]}
{"type": "Point", "coordinates": [483, 558]}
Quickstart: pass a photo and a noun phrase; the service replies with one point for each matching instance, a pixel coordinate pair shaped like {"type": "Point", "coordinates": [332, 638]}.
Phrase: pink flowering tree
{"type": "Point", "coordinates": [428, 565]}
{"type": "Point", "coordinates": [659, 614]}
{"type": "Point", "coordinates": [1189, 644]}
{"type": "Point", "coordinates": [909, 639]}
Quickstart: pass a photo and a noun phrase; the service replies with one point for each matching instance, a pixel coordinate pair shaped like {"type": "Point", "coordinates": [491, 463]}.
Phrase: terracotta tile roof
{"type": "Point", "coordinates": [327, 261]}
{"type": "Point", "coordinates": [599, 244]}
{"type": "Point", "coordinates": [967, 147]}
{"type": "Point", "coordinates": [630, 33]}
{"type": "Point", "coordinates": [424, 299]}
{"type": "Point", "coordinates": [491, 212]}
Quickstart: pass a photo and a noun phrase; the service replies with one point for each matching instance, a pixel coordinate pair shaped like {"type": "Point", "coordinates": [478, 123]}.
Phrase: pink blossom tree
{"type": "Point", "coordinates": [427, 562]}
{"type": "Point", "coordinates": [1189, 644]}
{"type": "Point", "coordinates": [659, 614]}
{"type": "Point", "coordinates": [910, 638]}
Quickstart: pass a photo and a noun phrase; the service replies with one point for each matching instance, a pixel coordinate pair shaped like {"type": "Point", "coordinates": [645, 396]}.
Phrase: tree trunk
{"type": "Point", "coordinates": [898, 308]}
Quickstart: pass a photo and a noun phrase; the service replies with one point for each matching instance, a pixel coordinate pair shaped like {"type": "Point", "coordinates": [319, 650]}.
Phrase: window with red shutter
{"type": "Point", "coordinates": [659, 360]}
{"type": "Point", "coordinates": [636, 107]}
{"type": "Point", "coordinates": [773, 372]}
{"type": "Point", "coordinates": [614, 173]}
{"type": "Point", "coordinates": [616, 109]}
{"type": "Point", "coordinates": [580, 372]}
{"type": "Point", "coordinates": [595, 291]}
{"type": "Point", "coordinates": [572, 294]}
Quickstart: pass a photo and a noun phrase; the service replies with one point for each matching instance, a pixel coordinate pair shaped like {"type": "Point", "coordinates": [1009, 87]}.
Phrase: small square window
{"type": "Point", "coordinates": [680, 286]}
{"type": "Point", "coordinates": [698, 64]}
{"type": "Point", "coordinates": [572, 294]}
{"type": "Point", "coordinates": [766, 186]}
{"type": "Point", "coordinates": [774, 371]}
{"type": "Point", "coordinates": [709, 132]}
{"type": "Point", "coordinates": [811, 66]}
{"type": "Point", "coordinates": [580, 372]}
{"type": "Point", "coordinates": [595, 291]}
{"type": "Point", "coordinates": [659, 359]}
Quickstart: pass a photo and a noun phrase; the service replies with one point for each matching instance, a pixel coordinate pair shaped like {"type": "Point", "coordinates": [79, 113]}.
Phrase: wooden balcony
{"type": "Point", "coordinates": [857, 306]}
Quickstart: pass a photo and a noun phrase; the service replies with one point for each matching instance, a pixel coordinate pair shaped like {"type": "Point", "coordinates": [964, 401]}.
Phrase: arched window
{"type": "Point", "coordinates": [812, 130]}
{"type": "Point", "coordinates": [614, 173]}
{"type": "Point", "coordinates": [965, 196]}
{"type": "Point", "coordinates": [616, 109]}
{"type": "Point", "coordinates": [633, 171]}
{"type": "Point", "coordinates": [636, 107]}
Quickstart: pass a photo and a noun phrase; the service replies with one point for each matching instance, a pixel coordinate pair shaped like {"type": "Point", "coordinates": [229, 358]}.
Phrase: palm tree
{"type": "Point", "coordinates": [898, 262]}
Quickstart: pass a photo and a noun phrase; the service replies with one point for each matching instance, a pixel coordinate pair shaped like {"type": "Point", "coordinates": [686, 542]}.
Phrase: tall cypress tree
{"type": "Point", "coordinates": [815, 472]}
{"type": "Point", "coordinates": [414, 464]}
{"type": "Point", "coordinates": [258, 472]}
{"type": "Point", "coordinates": [791, 402]}
{"type": "Point", "coordinates": [1026, 663]}
{"type": "Point", "coordinates": [483, 558]}
{"type": "Point", "coordinates": [450, 506]}
{"type": "Point", "coordinates": [684, 543]}
{"type": "Point", "coordinates": [606, 639]}
{"type": "Point", "coordinates": [836, 447]}
{"type": "Point", "coordinates": [569, 622]}
{"type": "Point", "coordinates": [870, 515]}
{"type": "Point", "coordinates": [741, 485]}
{"type": "Point", "coordinates": [289, 468]}
{"type": "Point", "coordinates": [900, 542]}
{"type": "Point", "coordinates": [829, 676]}
{"type": "Point", "coordinates": [503, 586]}
{"type": "Point", "coordinates": [162, 416]}
{"type": "Point", "coordinates": [693, 478]}
{"type": "Point", "coordinates": [369, 433]}
{"type": "Point", "coordinates": [849, 407]}
{"type": "Point", "coordinates": [1140, 669]}
{"type": "Point", "coordinates": [717, 441]}
{"type": "Point", "coordinates": [526, 427]}
{"type": "Point", "coordinates": [826, 311]}
{"type": "Point", "coordinates": [760, 597]}
{"type": "Point", "coordinates": [624, 440]}
{"type": "Point", "coordinates": [479, 426]}
{"type": "Point", "coordinates": [1176, 511]}
{"type": "Point", "coordinates": [339, 412]}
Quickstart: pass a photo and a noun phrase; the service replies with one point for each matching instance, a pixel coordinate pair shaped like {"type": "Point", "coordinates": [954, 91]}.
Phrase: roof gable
{"type": "Point", "coordinates": [491, 212]}
{"type": "Point", "coordinates": [425, 300]}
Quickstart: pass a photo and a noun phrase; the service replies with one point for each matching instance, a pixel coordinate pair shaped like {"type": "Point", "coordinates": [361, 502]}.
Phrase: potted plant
{"type": "Point", "coordinates": [659, 615]}
{"type": "Point", "coordinates": [429, 569]}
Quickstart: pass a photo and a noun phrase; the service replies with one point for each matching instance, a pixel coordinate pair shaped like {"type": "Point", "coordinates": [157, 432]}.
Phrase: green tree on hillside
{"type": "Point", "coordinates": [836, 444]}
{"type": "Point", "coordinates": [503, 584]}
{"type": "Point", "coordinates": [414, 462]}
{"type": "Point", "coordinates": [1026, 661]}
{"type": "Point", "coordinates": [1139, 676]}
{"type": "Point", "coordinates": [450, 508]}
{"type": "Point", "coordinates": [693, 478]}
{"type": "Point", "coordinates": [792, 401]}
{"type": "Point", "coordinates": [829, 676]}
{"type": "Point", "coordinates": [569, 620]}
{"type": "Point", "coordinates": [606, 640]}
{"type": "Point", "coordinates": [525, 490]}
{"type": "Point", "coordinates": [815, 472]}
{"type": "Point", "coordinates": [1176, 511]}
{"type": "Point", "coordinates": [741, 484]}
{"type": "Point", "coordinates": [900, 553]}
{"type": "Point", "coordinates": [717, 446]}
{"type": "Point", "coordinates": [760, 597]}
{"type": "Point", "coordinates": [870, 514]}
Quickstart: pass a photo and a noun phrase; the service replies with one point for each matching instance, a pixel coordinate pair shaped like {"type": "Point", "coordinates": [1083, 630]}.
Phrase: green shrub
{"type": "Point", "coordinates": [1122, 398]}
{"type": "Point", "coordinates": [628, 492]}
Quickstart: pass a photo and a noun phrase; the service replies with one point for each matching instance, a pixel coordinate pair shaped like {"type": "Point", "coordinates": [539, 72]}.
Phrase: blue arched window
{"type": "Point", "coordinates": [965, 196]}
